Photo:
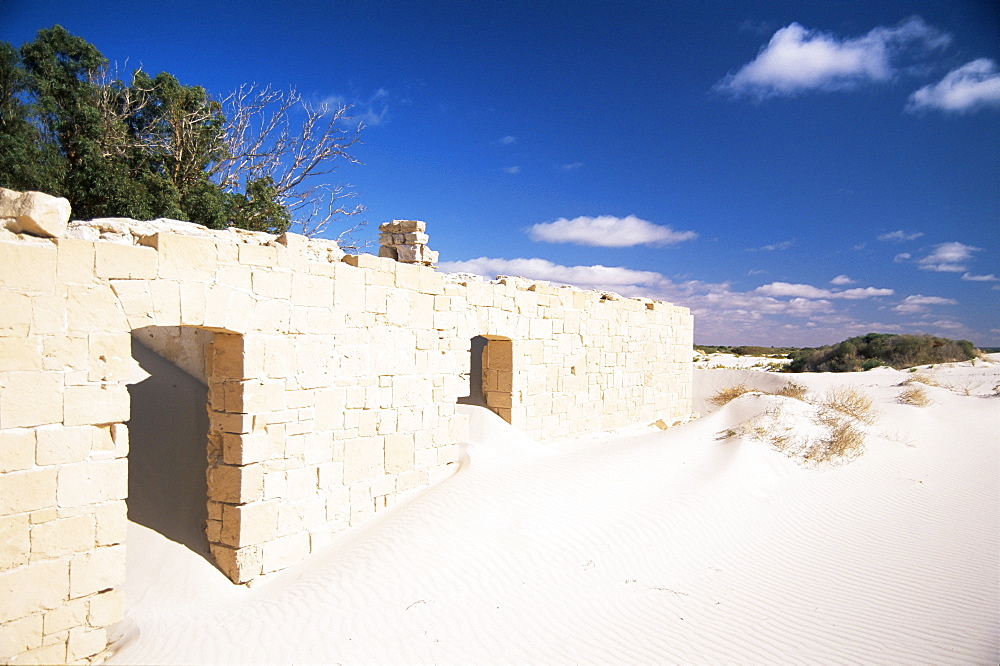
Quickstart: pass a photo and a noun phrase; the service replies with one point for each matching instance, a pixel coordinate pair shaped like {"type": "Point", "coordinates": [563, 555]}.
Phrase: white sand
{"type": "Point", "coordinates": [655, 547]}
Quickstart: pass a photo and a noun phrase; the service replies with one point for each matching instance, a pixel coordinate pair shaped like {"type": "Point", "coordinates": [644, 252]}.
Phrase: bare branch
{"type": "Point", "coordinates": [264, 140]}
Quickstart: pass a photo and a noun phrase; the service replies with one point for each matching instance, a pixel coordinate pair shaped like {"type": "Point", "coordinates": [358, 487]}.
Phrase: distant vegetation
{"type": "Point", "coordinates": [878, 349]}
{"type": "Point", "coordinates": [746, 350]}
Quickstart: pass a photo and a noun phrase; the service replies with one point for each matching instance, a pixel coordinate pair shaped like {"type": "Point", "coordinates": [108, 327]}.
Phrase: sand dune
{"type": "Point", "coordinates": [646, 547]}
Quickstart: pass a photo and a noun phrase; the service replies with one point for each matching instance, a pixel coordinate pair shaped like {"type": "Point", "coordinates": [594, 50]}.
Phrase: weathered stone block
{"type": "Point", "coordinates": [112, 523]}
{"type": "Point", "coordinates": [110, 356]}
{"type": "Point", "coordinates": [97, 571]}
{"type": "Point", "coordinates": [239, 564]}
{"type": "Point", "coordinates": [166, 298]}
{"type": "Point", "coordinates": [36, 587]}
{"type": "Point", "coordinates": [119, 436]}
{"type": "Point", "coordinates": [364, 458]}
{"type": "Point", "coordinates": [20, 636]}
{"type": "Point", "coordinates": [54, 653]}
{"type": "Point", "coordinates": [257, 255]}
{"type": "Point", "coordinates": [269, 283]}
{"type": "Point", "coordinates": [15, 541]}
{"type": "Point", "coordinates": [17, 309]}
{"type": "Point", "coordinates": [135, 301]}
{"type": "Point", "coordinates": [62, 537]}
{"type": "Point", "coordinates": [93, 482]}
{"type": "Point", "coordinates": [312, 290]}
{"type": "Point", "coordinates": [236, 485]}
{"type": "Point", "coordinates": [69, 615]}
{"type": "Point", "coordinates": [184, 257]}
{"type": "Point", "coordinates": [228, 357]}
{"type": "Point", "coordinates": [245, 449]}
{"type": "Point", "coordinates": [34, 213]}
{"type": "Point", "coordinates": [115, 260]}
{"type": "Point", "coordinates": [20, 353]}
{"type": "Point", "coordinates": [30, 399]}
{"type": "Point", "coordinates": [430, 282]}
{"type": "Point", "coordinates": [28, 490]}
{"type": "Point", "coordinates": [249, 524]}
{"type": "Point", "coordinates": [106, 609]}
{"type": "Point", "coordinates": [75, 261]}
{"type": "Point", "coordinates": [106, 403]}
{"type": "Point", "coordinates": [399, 450]}
{"type": "Point", "coordinates": [284, 552]}
{"type": "Point", "coordinates": [17, 449]}
{"type": "Point", "coordinates": [85, 642]}
{"type": "Point", "coordinates": [193, 303]}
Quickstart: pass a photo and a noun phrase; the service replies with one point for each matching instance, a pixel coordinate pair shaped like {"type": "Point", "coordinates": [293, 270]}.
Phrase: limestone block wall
{"type": "Point", "coordinates": [332, 389]}
{"type": "Point", "coordinates": [64, 360]}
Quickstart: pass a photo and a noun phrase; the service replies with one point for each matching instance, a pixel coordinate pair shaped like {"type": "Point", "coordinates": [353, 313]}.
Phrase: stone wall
{"type": "Point", "coordinates": [332, 384]}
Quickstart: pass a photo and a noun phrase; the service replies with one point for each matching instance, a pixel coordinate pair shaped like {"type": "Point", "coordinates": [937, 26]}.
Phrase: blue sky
{"type": "Point", "coordinates": [795, 173]}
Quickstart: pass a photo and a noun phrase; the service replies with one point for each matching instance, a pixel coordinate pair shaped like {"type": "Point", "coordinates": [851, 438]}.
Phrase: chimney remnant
{"type": "Point", "coordinates": [406, 242]}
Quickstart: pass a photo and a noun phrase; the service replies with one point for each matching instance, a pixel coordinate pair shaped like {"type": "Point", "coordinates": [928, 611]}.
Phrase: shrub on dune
{"type": "Point", "coordinates": [793, 390]}
{"type": "Point", "coordinates": [831, 430]}
{"type": "Point", "coordinates": [851, 402]}
{"type": "Point", "coordinates": [915, 395]}
{"type": "Point", "coordinates": [728, 394]}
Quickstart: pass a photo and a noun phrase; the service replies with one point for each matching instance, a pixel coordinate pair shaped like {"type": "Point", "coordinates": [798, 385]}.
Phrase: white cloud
{"type": "Point", "coordinates": [783, 245]}
{"type": "Point", "coordinates": [607, 231]}
{"type": "Point", "coordinates": [513, 170]}
{"type": "Point", "coordinates": [918, 303]}
{"type": "Point", "coordinates": [572, 166]}
{"type": "Point", "coordinates": [589, 277]}
{"type": "Point", "coordinates": [980, 278]}
{"type": "Point", "coordinates": [947, 258]}
{"type": "Point", "coordinates": [972, 86]}
{"type": "Point", "coordinates": [842, 279]}
{"type": "Point", "coordinates": [371, 112]}
{"type": "Point", "coordinates": [900, 236]}
{"type": "Point", "coordinates": [808, 291]}
{"type": "Point", "coordinates": [507, 140]}
{"type": "Point", "coordinates": [787, 289]}
{"type": "Point", "coordinates": [798, 59]}
{"type": "Point", "coordinates": [901, 257]}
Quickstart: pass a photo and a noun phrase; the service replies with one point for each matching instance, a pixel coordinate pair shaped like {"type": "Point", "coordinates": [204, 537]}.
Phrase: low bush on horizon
{"type": "Point", "coordinates": [746, 350]}
{"type": "Point", "coordinates": [869, 351]}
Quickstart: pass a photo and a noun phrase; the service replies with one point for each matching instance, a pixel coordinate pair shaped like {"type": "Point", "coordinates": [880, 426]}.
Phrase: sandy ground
{"type": "Point", "coordinates": [647, 546]}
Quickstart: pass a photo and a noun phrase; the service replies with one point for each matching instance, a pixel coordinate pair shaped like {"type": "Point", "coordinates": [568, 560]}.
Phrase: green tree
{"type": "Point", "coordinates": [27, 162]}
{"type": "Point", "coordinates": [63, 70]}
{"type": "Point", "coordinates": [259, 209]}
{"type": "Point", "coordinates": [157, 148]}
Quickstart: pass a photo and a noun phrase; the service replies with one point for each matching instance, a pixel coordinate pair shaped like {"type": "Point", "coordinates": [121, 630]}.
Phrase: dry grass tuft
{"type": "Point", "coordinates": [850, 401]}
{"type": "Point", "coordinates": [968, 388]}
{"type": "Point", "coordinates": [921, 378]}
{"type": "Point", "coordinates": [728, 394]}
{"type": "Point", "coordinates": [793, 390]}
{"type": "Point", "coordinates": [834, 432]}
{"type": "Point", "coordinates": [915, 395]}
{"type": "Point", "coordinates": [844, 441]}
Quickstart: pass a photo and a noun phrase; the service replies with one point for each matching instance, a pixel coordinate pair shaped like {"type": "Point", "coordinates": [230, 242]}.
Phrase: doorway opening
{"type": "Point", "coordinates": [491, 375]}
{"type": "Point", "coordinates": [168, 439]}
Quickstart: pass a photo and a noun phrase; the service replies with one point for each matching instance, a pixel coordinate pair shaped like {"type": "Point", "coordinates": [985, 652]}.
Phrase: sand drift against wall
{"type": "Point", "coordinates": [646, 547]}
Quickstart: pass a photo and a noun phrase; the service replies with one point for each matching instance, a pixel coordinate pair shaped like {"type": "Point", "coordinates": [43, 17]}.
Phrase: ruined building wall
{"type": "Point", "coordinates": [332, 384]}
